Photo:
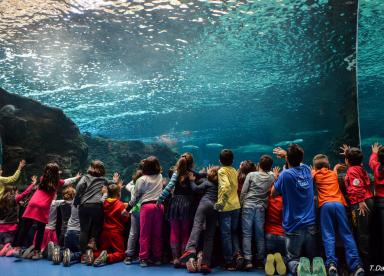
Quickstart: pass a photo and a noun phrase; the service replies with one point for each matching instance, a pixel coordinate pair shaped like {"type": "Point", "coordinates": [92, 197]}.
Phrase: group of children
{"type": "Point", "coordinates": [265, 217]}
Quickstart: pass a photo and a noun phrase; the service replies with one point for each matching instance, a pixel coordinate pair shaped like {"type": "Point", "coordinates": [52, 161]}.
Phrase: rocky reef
{"type": "Point", "coordinates": [40, 134]}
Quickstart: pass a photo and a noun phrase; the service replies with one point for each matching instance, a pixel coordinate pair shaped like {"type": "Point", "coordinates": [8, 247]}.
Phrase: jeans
{"type": "Point", "coordinates": [362, 226]}
{"type": "Point", "coordinates": [134, 232]}
{"type": "Point", "coordinates": [229, 222]}
{"type": "Point", "coordinates": [71, 241]}
{"type": "Point", "coordinates": [333, 219]}
{"type": "Point", "coordinates": [91, 218]}
{"type": "Point", "coordinates": [253, 222]}
{"type": "Point", "coordinates": [301, 242]}
{"type": "Point", "coordinates": [274, 244]}
{"type": "Point", "coordinates": [205, 216]}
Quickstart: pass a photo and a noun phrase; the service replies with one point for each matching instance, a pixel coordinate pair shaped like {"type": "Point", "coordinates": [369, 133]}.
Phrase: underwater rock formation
{"type": "Point", "coordinates": [40, 134]}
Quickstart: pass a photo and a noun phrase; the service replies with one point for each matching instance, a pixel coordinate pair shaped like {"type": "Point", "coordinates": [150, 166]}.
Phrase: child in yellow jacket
{"type": "Point", "coordinates": [10, 179]}
{"type": "Point", "coordinates": [228, 205]}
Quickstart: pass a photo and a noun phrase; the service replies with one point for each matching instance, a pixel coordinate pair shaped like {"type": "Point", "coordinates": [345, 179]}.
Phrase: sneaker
{"type": "Point", "coordinates": [191, 265]}
{"type": "Point", "coordinates": [176, 263]}
{"type": "Point", "coordinates": [28, 253]}
{"type": "Point", "coordinates": [332, 270]}
{"type": "Point", "coordinates": [359, 272]}
{"type": "Point", "coordinates": [270, 265]}
{"type": "Point", "coordinates": [37, 255]}
{"type": "Point", "coordinates": [102, 259]}
{"type": "Point", "coordinates": [56, 256]}
{"type": "Point", "coordinates": [280, 265]}
{"type": "Point", "coordinates": [66, 257]}
{"type": "Point", "coordinates": [128, 260]}
{"type": "Point", "coordinates": [5, 249]}
{"type": "Point", "coordinates": [92, 244]}
{"type": "Point", "coordinates": [50, 248]}
{"type": "Point", "coordinates": [89, 257]}
{"type": "Point", "coordinates": [83, 258]}
{"type": "Point", "coordinates": [187, 255]}
{"type": "Point", "coordinates": [17, 252]}
{"type": "Point", "coordinates": [248, 265]}
{"type": "Point", "coordinates": [157, 263]}
{"type": "Point", "coordinates": [304, 267]}
{"type": "Point", "coordinates": [239, 260]}
{"type": "Point", "coordinates": [143, 263]}
{"type": "Point", "coordinates": [318, 267]}
{"type": "Point", "coordinates": [11, 251]}
{"type": "Point", "coordinates": [205, 269]}
{"type": "Point", "coordinates": [199, 260]}
{"type": "Point", "coordinates": [230, 267]}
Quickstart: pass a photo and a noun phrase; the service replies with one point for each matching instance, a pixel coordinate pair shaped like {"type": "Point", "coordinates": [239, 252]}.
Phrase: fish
{"type": "Point", "coordinates": [167, 139]}
{"type": "Point", "coordinates": [254, 148]}
{"type": "Point", "coordinates": [191, 147]}
{"type": "Point", "coordinates": [298, 141]}
{"type": "Point", "coordinates": [214, 145]}
{"type": "Point", "coordinates": [283, 143]}
{"type": "Point", "coordinates": [371, 140]}
{"type": "Point", "coordinates": [311, 132]}
{"type": "Point", "coordinates": [8, 110]}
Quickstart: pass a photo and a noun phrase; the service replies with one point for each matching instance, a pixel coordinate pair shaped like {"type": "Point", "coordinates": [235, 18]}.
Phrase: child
{"type": "Point", "coordinates": [228, 206]}
{"type": "Point", "coordinates": [254, 201]}
{"type": "Point", "coordinates": [112, 235]}
{"type": "Point", "coordinates": [9, 215]}
{"type": "Point", "coordinates": [37, 210]}
{"type": "Point", "coordinates": [50, 237]}
{"type": "Point", "coordinates": [147, 190]}
{"type": "Point", "coordinates": [245, 168]}
{"type": "Point", "coordinates": [65, 211]}
{"type": "Point", "coordinates": [333, 217]}
{"type": "Point", "coordinates": [376, 163]}
{"type": "Point", "coordinates": [10, 179]}
{"type": "Point", "coordinates": [357, 183]}
{"type": "Point", "coordinates": [135, 221]}
{"type": "Point", "coordinates": [295, 184]}
{"type": "Point", "coordinates": [205, 214]}
{"type": "Point", "coordinates": [88, 200]}
{"type": "Point", "coordinates": [181, 207]}
{"type": "Point", "coordinates": [274, 234]}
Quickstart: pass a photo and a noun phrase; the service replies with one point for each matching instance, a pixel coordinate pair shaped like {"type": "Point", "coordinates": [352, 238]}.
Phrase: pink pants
{"type": "Point", "coordinates": [180, 231]}
{"type": "Point", "coordinates": [151, 231]}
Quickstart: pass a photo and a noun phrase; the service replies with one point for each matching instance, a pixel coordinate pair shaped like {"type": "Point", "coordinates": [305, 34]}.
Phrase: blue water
{"type": "Point", "coordinates": [240, 74]}
{"type": "Point", "coordinates": [370, 72]}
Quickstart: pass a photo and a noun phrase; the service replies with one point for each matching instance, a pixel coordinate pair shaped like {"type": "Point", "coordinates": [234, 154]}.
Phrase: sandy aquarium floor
{"type": "Point", "coordinates": [15, 267]}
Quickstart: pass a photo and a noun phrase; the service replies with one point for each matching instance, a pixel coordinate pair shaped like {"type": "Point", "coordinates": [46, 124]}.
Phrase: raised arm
{"type": "Point", "coordinates": [71, 180]}
{"type": "Point", "coordinates": [14, 177]}
{"type": "Point", "coordinates": [167, 190]}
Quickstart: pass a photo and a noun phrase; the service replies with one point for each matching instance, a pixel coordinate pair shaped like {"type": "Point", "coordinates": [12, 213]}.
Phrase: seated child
{"type": "Point", "coordinates": [333, 218]}
{"type": "Point", "coordinates": [147, 190]}
{"type": "Point", "coordinates": [357, 183]}
{"type": "Point", "coordinates": [206, 216]}
{"type": "Point", "coordinates": [274, 235]}
{"type": "Point", "coordinates": [8, 218]}
{"type": "Point", "coordinates": [228, 205]}
{"type": "Point", "coordinates": [254, 201]}
{"type": "Point", "coordinates": [112, 234]}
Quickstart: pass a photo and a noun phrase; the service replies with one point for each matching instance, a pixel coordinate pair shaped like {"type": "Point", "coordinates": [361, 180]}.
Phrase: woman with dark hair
{"type": "Point", "coordinates": [182, 206]}
{"type": "Point", "coordinates": [88, 199]}
{"type": "Point", "coordinates": [38, 208]}
{"type": "Point", "coordinates": [376, 163]}
{"type": "Point", "coordinates": [147, 190]}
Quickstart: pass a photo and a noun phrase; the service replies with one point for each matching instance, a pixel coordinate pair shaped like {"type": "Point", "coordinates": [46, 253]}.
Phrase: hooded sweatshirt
{"type": "Point", "coordinates": [378, 175]}
{"type": "Point", "coordinates": [113, 219]}
{"type": "Point", "coordinates": [296, 187]}
{"type": "Point", "coordinates": [357, 183]}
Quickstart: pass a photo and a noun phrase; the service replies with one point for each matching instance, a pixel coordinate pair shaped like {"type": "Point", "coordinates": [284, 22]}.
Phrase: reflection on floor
{"type": "Point", "coordinates": [14, 267]}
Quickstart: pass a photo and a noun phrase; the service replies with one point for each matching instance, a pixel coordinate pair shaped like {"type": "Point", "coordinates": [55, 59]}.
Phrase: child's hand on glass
{"type": "Point", "coordinates": [34, 179]}
{"type": "Point", "coordinates": [116, 177]}
{"type": "Point", "coordinates": [276, 172]}
{"type": "Point", "coordinates": [376, 147]}
{"type": "Point", "coordinates": [279, 152]}
{"type": "Point", "coordinates": [78, 176]}
{"type": "Point", "coordinates": [21, 164]}
{"type": "Point", "coordinates": [344, 148]}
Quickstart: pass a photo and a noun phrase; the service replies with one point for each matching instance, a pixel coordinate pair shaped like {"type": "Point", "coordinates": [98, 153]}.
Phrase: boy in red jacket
{"type": "Point", "coordinates": [112, 235]}
{"type": "Point", "coordinates": [357, 184]}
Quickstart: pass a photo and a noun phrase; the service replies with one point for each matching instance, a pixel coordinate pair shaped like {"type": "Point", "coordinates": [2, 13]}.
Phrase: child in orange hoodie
{"type": "Point", "coordinates": [112, 235]}
{"type": "Point", "coordinates": [333, 218]}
